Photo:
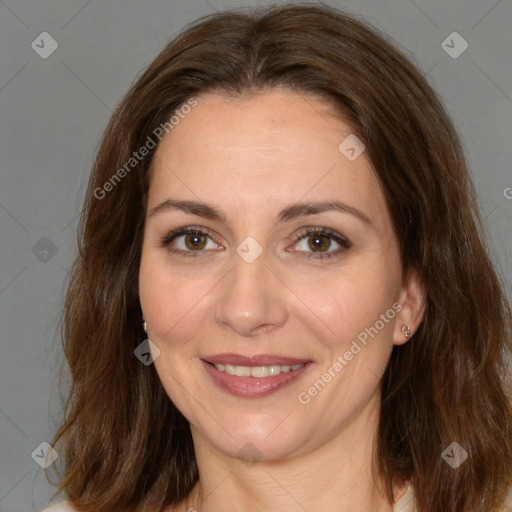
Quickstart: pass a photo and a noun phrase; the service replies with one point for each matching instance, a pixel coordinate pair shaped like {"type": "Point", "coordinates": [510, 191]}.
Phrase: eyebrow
{"type": "Point", "coordinates": [287, 214]}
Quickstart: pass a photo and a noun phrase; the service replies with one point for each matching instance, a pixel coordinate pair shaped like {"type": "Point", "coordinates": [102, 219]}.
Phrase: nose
{"type": "Point", "coordinates": [252, 299]}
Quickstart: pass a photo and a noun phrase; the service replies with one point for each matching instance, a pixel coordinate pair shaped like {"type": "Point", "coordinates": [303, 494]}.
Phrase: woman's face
{"type": "Point", "coordinates": [271, 274]}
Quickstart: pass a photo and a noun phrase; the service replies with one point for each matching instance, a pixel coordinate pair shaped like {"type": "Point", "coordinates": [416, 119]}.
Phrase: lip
{"type": "Point", "coordinates": [255, 360]}
{"type": "Point", "coordinates": [253, 387]}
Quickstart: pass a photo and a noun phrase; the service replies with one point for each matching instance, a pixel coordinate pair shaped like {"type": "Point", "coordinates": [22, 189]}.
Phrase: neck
{"type": "Point", "coordinates": [337, 475]}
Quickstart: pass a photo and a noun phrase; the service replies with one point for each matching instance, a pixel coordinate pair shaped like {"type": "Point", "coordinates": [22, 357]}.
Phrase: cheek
{"type": "Point", "coordinates": [173, 304]}
{"type": "Point", "coordinates": [347, 304]}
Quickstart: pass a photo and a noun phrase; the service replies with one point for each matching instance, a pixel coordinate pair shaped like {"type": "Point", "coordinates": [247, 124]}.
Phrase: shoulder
{"type": "Point", "coordinates": [63, 506]}
{"type": "Point", "coordinates": [508, 499]}
{"type": "Point", "coordinates": [407, 503]}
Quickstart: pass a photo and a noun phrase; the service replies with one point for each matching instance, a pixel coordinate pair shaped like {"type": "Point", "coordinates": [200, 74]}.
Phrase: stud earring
{"type": "Point", "coordinates": [144, 325]}
{"type": "Point", "coordinates": [406, 331]}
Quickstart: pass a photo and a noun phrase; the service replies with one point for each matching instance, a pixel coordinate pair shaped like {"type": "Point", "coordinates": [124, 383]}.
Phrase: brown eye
{"type": "Point", "coordinates": [319, 243]}
{"type": "Point", "coordinates": [316, 243]}
{"type": "Point", "coordinates": [195, 241]}
{"type": "Point", "coordinates": [190, 241]}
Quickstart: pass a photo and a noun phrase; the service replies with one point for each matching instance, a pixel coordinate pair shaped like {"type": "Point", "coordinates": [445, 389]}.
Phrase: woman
{"type": "Point", "coordinates": [281, 206]}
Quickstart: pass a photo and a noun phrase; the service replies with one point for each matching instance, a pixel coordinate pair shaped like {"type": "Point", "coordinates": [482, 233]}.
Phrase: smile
{"type": "Point", "coordinates": [254, 381]}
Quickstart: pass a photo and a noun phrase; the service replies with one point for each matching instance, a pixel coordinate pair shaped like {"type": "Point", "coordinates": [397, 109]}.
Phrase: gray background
{"type": "Point", "coordinates": [54, 110]}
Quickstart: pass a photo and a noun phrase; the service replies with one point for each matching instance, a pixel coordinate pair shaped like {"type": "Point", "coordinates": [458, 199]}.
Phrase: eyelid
{"type": "Point", "coordinates": [315, 230]}
{"type": "Point", "coordinates": [183, 231]}
{"type": "Point", "coordinates": [175, 233]}
{"type": "Point", "coordinates": [307, 232]}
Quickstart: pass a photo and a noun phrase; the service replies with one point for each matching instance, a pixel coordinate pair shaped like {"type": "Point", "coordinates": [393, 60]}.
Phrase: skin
{"type": "Point", "coordinates": [250, 156]}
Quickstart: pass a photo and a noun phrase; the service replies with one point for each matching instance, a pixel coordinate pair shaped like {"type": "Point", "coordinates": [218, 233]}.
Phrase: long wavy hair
{"type": "Point", "coordinates": [126, 446]}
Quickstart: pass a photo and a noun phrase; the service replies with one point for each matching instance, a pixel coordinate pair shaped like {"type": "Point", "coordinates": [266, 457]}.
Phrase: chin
{"type": "Point", "coordinates": [262, 437]}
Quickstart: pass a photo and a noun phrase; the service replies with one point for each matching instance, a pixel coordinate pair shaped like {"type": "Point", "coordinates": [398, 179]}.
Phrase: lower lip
{"type": "Point", "coordinates": [252, 387]}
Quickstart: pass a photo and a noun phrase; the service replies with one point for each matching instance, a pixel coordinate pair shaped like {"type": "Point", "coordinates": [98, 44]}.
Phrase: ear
{"type": "Point", "coordinates": [413, 300]}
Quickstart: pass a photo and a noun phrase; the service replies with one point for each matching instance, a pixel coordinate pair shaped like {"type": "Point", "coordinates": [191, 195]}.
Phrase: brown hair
{"type": "Point", "coordinates": [126, 445]}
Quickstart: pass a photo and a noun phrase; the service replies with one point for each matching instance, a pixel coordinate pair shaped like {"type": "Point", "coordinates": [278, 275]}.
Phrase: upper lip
{"type": "Point", "coordinates": [255, 360]}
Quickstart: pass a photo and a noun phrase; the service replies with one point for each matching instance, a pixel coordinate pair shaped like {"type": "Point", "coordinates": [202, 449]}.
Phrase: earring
{"type": "Point", "coordinates": [144, 325]}
{"type": "Point", "coordinates": [406, 331]}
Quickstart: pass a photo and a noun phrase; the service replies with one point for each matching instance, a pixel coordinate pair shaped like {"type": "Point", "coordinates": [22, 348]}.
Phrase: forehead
{"type": "Point", "coordinates": [253, 150]}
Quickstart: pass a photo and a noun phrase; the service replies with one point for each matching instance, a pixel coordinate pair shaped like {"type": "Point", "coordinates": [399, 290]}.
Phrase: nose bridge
{"type": "Point", "coordinates": [251, 296]}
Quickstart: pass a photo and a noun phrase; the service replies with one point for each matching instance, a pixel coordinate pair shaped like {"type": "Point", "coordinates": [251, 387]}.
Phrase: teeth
{"type": "Point", "coordinates": [256, 371]}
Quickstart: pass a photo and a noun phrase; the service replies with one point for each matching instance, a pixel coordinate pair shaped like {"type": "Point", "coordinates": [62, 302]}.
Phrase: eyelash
{"type": "Point", "coordinates": [307, 232]}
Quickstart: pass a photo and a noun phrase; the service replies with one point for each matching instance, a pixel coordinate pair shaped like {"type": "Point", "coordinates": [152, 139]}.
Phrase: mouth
{"type": "Point", "coordinates": [255, 376]}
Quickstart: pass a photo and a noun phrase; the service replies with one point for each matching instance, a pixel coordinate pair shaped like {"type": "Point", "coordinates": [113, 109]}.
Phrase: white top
{"type": "Point", "coordinates": [63, 506]}
{"type": "Point", "coordinates": [406, 503]}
